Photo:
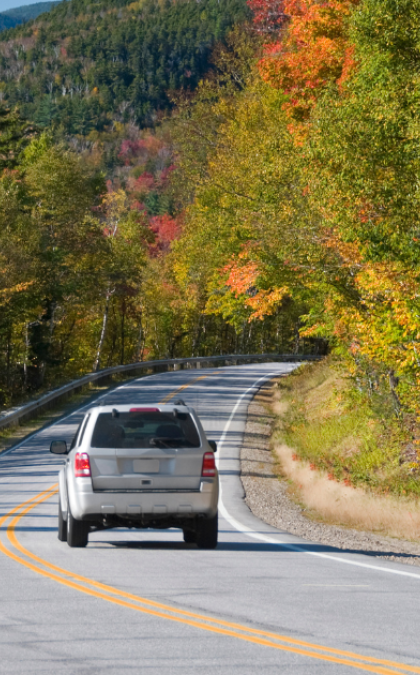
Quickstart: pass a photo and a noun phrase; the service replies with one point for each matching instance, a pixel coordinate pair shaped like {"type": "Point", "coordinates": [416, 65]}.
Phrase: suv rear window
{"type": "Point", "coordinates": [145, 430]}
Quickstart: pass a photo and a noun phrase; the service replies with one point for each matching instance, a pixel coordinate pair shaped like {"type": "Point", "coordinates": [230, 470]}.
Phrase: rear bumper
{"type": "Point", "coordinates": [85, 503]}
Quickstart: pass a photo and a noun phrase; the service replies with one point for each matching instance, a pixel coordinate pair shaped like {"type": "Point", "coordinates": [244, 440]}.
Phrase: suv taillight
{"type": "Point", "coordinates": [82, 465]}
{"type": "Point", "coordinates": [209, 465]}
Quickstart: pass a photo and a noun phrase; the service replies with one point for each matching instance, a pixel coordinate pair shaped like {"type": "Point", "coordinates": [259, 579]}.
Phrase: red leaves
{"type": "Point", "coordinates": [269, 15]}
{"type": "Point", "coordinates": [313, 51]}
{"type": "Point", "coordinates": [149, 170]}
{"type": "Point", "coordinates": [166, 227]}
{"type": "Point", "coordinates": [140, 148]}
{"type": "Point", "coordinates": [144, 183]}
{"type": "Point", "coordinates": [129, 149]}
{"type": "Point", "coordinates": [166, 230]}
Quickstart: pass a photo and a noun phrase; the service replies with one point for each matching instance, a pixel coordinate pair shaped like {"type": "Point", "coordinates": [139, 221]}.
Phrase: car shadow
{"type": "Point", "coordinates": [254, 547]}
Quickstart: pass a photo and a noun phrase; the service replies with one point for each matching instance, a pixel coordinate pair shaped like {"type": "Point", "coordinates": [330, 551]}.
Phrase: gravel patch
{"type": "Point", "coordinates": [267, 495]}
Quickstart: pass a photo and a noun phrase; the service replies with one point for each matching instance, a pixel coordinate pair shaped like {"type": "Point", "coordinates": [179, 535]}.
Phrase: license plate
{"type": "Point", "coordinates": [146, 466]}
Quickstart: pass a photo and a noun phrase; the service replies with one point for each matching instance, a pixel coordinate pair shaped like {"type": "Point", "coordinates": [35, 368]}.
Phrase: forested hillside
{"type": "Point", "coordinates": [86, 64]}
{"type": "Point", "coordinates": [275, 208]}
{"type": "Point", "coordinates": [7, 22]}
{"type": "Point", "coordinates": [18, 15]}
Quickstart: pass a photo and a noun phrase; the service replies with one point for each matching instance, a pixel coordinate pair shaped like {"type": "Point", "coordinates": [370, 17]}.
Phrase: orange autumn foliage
{"type": "Point", "coordinates": [313, 51]}
{"type": "Point", "coordinates": [243, 275]}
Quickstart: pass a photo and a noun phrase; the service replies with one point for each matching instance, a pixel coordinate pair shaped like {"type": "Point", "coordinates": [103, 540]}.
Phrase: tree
{"type": "Point", "coordinates": [15, 134]}
{"type": "Point", "coordinates": [61, 192]}
{"type": "Point", "coordinates": [239, 239]}
{"type": "Point", "coordinates": [363, 164]}
{"type": "Point", "coordinates": [122, 268]}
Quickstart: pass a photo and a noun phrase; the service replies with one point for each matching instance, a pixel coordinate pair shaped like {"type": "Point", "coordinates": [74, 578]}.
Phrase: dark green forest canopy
{"type": "Point", "coordinates": [88, 63]}
{"type": "Point", "coordinates": [15, 134]}
{"type": "Point", "coordinates": [7, 22]}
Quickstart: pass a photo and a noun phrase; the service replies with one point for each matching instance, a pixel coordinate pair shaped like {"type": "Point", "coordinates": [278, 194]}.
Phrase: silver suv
{"type": "Point", "coordinates": [138, 466]}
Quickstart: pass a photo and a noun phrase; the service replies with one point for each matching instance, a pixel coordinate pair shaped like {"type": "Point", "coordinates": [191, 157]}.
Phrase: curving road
{"type": "Point", "coordinates": [145, 602]}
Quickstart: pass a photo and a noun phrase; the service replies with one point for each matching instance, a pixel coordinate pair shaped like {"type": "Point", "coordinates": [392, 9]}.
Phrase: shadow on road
{"type": "Point", "coordinates": [252, 547]}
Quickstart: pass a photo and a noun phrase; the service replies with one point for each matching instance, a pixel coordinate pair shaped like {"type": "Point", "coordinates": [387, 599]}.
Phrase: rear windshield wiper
{"type": "Point", "coordinates": [166, 442]}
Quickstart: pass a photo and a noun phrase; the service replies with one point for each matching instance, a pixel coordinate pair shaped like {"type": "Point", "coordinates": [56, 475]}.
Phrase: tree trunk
{"type": "Point", "coordinates": [297, 338]}
{"type": "Point", "coordinates": [139, 354]}
{"type": "Point", "coordinates": [9, 347]}
{"type": "Point", "coordinates": [97, 363]}
{"type": "Point", "coordinates": [25, 363]}
{"type": "Point", "coordinates": [197, 338]}
{"type": "Point", "coordinates": [52, 319]}
{"type": "Point", "coordinates": [393, 384]}
{"type": "Point", "coordinates": [122, 332]}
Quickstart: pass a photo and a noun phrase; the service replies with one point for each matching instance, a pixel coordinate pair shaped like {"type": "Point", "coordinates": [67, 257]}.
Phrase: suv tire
{"type": "Point", "coordinates": [62, 524]}
{"type": "Point", "coordinates": [189, 536]}
{"type": "Point", "coordinates": [206, 532]}
{"type": "Point", "coordinates": [77, 531]}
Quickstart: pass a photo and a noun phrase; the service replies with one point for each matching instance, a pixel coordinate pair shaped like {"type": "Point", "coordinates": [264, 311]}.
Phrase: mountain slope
{"type": "Point", "coordinates": [7, 22]}
{"type": "Point", "coordinates": [18, 15]}
{"type": "Point", "coordinates": [86, 64]}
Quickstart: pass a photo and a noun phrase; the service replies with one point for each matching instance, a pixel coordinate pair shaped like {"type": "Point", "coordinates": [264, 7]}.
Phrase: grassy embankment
{"type": "Point", "coordinates": [349, 460]}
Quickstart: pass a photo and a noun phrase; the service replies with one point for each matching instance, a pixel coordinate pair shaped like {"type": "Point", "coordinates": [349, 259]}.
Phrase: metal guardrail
{"type": "Point", "coordinates": [29, 410]}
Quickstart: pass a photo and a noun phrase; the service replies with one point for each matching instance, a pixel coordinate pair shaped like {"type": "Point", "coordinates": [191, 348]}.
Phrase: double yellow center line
{"type": "Point", "coordinates": [77, 582]}
{"type": "Point", "coordinates": [167, 398]}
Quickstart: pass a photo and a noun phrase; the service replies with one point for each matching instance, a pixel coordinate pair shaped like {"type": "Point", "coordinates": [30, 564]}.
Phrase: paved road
{"type": "Point", "coordinates": [145, 602]}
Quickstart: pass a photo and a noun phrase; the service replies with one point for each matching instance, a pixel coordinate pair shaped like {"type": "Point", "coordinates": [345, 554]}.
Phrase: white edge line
{"type": "Point", "coordinates": [269, 540]}
{"type": "Point", "coordinates": [88, 405]}
{"type": "Point", "coordinates": [235, 523]}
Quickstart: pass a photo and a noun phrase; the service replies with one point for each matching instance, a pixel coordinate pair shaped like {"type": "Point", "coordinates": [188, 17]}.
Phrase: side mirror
{"type": "Point", "coordinates": [58, 447]}
{"type": "Point", "coordinates": [213, 445]}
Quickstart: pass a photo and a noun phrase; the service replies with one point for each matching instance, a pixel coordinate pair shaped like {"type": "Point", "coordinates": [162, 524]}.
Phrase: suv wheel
{"type": "Point", "coordinates": [77, 531]}
{"type": "Point", "coordinates": [189, 536]}
{"type": "Point", "coordinates": [62, 524]}
{"type": "Point", "coordinates": [206, 532]}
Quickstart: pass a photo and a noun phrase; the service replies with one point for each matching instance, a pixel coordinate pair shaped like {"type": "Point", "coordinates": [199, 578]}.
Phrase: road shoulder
{"type": "Point", "coordinates": [270, 497]}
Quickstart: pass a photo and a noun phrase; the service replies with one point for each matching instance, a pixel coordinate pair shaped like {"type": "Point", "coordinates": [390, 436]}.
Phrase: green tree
{"type": "Point", "coordinates": [15, 134]}
{"type": "Point", "coordinates": [61, 192]}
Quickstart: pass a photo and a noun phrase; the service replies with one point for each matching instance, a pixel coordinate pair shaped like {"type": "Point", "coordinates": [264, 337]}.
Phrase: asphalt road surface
{"type": "Point", "coordinates": [144, 602]}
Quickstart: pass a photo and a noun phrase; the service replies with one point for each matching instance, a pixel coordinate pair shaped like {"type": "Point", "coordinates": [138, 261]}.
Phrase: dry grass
{"type": "Point", "coordinates": [336, 503]}
{"type": "Point", "coordinates": [338, 430]}
{"type": "Point", "coordinates": [345, 463]}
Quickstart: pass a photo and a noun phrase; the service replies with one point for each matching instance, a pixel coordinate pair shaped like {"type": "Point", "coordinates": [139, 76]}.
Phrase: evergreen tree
{"type": "Point", "coordinates": [15, 134]}
{"type": "Point", "coordinates": [91, 52]}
